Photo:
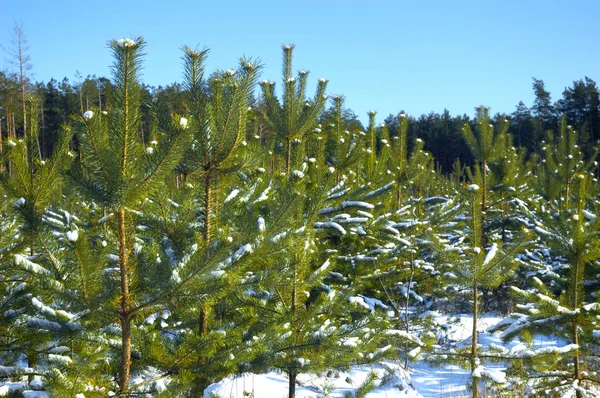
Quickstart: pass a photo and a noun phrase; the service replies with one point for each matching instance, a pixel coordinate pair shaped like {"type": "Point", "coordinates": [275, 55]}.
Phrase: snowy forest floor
{"type": "Point", "coordinates": [422, 379]}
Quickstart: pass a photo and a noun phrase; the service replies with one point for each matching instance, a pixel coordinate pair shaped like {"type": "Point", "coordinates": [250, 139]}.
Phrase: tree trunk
{"type": "Point", "coordinates": [203, 321]}
{"type": "Point", "coordinates": [288, 157]}
{"type": "Point", "coordinates": [42, 133]}
{"type": "Point", "coordinates": [200, 382]}
{"type": "Point", "coordinates": [31, 364]}
{"type": "Point", "coordinates": [292, 383]}
{"type": "Point", "coordinates": [1, 148]}
{"type": "Point", "coordinates": [216, 208]}
{"type": "Point", "coordinates": [125, 354]}
{"type": "Point", "coordinates": [484, 188]}
{"type": "Point", "coordinates": [124, 315]}
{"type": "Point", "coordinates": [406, 320]}
{"type": "Point", "coordinates": [207, 206]}
{"type": "Point", "coordinates": [567, 193]}
{"type": "Point", "coordinates": [21, 65]}
{"type": "Point", "coordinates": [504, 208]}
{"type": "Point", "coordinates": [14, 126]}
{"type": "Point", "coordinates": [475, 380]}
{"type": "Point", "coordinates": [577, 374]}
{"type": "Point", "coordinates": [80, 98]}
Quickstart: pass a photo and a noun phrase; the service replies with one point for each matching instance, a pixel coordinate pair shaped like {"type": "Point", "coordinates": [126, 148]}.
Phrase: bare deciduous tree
{"type": "Point", "coordinates": [19, 57]}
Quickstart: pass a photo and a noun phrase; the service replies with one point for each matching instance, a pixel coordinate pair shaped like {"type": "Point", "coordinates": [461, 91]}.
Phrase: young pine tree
{"type": "Point", "coordinates": [220, 109]}
{"type": "Point", "coordinates": [411, 171]}
{"type": "Point", "coordinates": [559, 300]}
{"type": "Point", "coordinates": [32, 187]}
{"type": "Point", "coordinates": [293, 117]}
{"type": "Point", "coordinates": [484, 146]}
{"type": "Point", "coordinates": [304, 322]}
{"type": "Point", "coordinates": [119, 172]}
{"type": "Point", "coordinates": [480, 262]}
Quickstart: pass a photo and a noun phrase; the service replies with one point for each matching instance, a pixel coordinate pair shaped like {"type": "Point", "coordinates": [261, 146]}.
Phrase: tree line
{"type": "Point", "coordinates": [58, 100]}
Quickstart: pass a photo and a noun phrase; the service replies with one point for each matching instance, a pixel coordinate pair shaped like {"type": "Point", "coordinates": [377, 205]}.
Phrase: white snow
{"type": "Point", "coordinates": [331, 225]}
{"type": "Point", "coordinates": [422, 380]}
{"type": "Point", "coordinates": [88, 115]}
{"type": "Point", "coordinates": [232, 195]}
{"type": "Point", "coordinates": [491, 253]}
{"type": "Point", "coordinates": [123, 43]}
{"type": "Point", "coordinates": [19, 202]}
{"type": "Point", "coordinates": [321, 268]}
{"type": "Point", "coordinates": [391, 381]}
{"type": "Point", "coordinates": [367, 302]}
{"type": "Point", "coordinates": [356, 203]}
{"type": "Point", "coordinates": [183, 122]}
{"type": "Point", "coordinates": [264, 195]}
{"type": "Point", "coordinates": [73, 235]}
{"type": "Point", "coordinates": [42, 307]}
{"type": "Point", "coordinates": [23, 262]}
{"type": "Point", "coordinates": [35, 394]}
{"type": "Point", "coordinates": [61, 359]}
{"type": "Point", "coordinates": [297, 174]}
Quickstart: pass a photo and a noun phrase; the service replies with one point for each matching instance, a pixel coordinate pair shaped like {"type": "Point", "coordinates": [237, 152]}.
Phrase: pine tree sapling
{"type": "Point", "coordinates": [293, 117]}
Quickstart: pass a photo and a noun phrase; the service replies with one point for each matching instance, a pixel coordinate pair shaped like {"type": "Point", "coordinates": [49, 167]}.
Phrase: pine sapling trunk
{"type": "Point", "coordinates": [207, 206]}
{"type": "Point", "coordinates": [272, 163]}
{"type": "Point", "coordinates": [216, 202]}
{"type": "Point", "coordinates": [200, 382]}
{"type": "Point", "coordinates": [1, 148]}
{"type": "Point", "coordinates": [124, 314]}
{"type": "Point", "coordinates": [475, 380]}
{"type": "Point", "coordinates": [484, 187]}
{"type": "Point", "coordinates": [406, 320]}
{"type": "Point", "coordinates": [577, 374]}
{"type": "Point", "coordinates": [31, 364]}
{"type": "Point", "coordinates": [418, 196]}
{"type": "Point", "coordinates": [292, 374]}
{"type": "Point", "coordinates": [567, 193]}
{"type": "Point", "coordinates": [504, 208]}
{"type": "Point", "coordinates": [203, 321]}
{"type": "Point", "coordinates": [288, 157]}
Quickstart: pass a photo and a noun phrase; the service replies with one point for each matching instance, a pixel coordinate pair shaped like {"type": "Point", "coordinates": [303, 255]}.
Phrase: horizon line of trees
{"type": "Point", "coordinates": [61, 99]}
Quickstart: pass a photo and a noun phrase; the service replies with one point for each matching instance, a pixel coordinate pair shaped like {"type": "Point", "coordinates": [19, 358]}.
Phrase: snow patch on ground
{"type": "Point", "coordinates": [392, 381]}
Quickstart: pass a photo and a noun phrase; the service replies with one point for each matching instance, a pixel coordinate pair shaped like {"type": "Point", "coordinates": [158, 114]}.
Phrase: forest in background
{"type": "Point", "coordinates": [173, 236]}
{"type": "Point", "coordinates": [58, 100]}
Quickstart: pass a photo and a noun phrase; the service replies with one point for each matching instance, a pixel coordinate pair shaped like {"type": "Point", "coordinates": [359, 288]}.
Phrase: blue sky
{"type": "Point", "coordinates": [385, 55]}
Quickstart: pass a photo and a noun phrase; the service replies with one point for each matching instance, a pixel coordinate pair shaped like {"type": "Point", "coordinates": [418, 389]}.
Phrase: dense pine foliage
{"type": "Point", "coordinates": [155, 240]}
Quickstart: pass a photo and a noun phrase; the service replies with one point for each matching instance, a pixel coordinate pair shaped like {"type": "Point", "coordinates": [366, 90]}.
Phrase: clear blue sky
{"type": "Point", "coordinates": [386, 55]}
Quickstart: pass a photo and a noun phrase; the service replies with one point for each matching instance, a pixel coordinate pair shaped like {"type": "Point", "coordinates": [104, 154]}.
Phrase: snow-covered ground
{"type": "Point", "coordinates": [13, 387]}
{"type": "Point", "coordinates": [423, 380]}
{"type": "Point", "coordinates": [335, 385]}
